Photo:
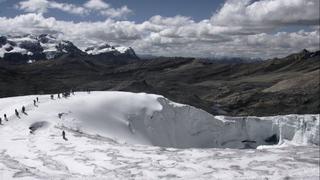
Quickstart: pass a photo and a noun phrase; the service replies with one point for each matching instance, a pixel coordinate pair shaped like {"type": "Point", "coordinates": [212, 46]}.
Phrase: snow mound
{"type": "Point", "coordinates": [154, 120]}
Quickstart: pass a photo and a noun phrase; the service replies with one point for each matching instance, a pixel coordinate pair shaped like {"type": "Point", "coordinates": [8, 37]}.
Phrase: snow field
{"type": "Point", "coordinates": [118, 135]}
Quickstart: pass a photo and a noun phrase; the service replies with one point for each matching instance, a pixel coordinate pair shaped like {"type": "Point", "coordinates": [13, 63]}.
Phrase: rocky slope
{"type": "Point", "coordinates": [287, 85]}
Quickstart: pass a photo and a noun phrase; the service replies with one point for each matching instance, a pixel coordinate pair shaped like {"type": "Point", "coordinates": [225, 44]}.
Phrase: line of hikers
{"type": "Point", "coordinates": [16, 112]}
{"type": "Point", "coordinates": [35, 101]}
{"type": "Point", "coordinates": [65, 94]}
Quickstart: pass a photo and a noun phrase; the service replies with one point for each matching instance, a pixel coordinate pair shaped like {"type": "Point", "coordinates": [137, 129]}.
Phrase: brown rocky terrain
{"type": "Point", "coordinates": [287, 85]}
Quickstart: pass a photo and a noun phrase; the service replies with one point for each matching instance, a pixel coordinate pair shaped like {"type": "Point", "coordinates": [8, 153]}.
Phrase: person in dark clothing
{"type": "Point", "coordinates": [34, 103]}
{"type": "Point", "coordinates": [66, 94]}
{"type": "Point", "coordinates": [23, 110]}
{"type": "Point", "coordinates": [5, 117]}
{"type": "Point", "coordinates": [17, 113]}
{"type": "Point", "coordinates": [37, 99]}
{"type": "Point", "coordinates": [59, 95]}
{"type": "Point", "coordinates": [51, 96]}
{"type": "Point", "coordinates": [31, 130]}
{"type": "Point", "coordinates": [0, 121]}
{"type": "Point", "coordinates": [64, 136]}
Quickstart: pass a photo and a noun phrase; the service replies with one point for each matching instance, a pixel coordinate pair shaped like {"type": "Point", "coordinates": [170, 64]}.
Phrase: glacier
{"type": "Point", "coordinates": [144, 136]}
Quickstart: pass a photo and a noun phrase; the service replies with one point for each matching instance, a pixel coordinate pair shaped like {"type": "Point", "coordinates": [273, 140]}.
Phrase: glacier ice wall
{"type": "Point", "coordinates": [183, 126]}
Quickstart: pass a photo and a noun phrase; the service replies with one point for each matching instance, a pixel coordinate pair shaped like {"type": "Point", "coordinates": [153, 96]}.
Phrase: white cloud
{"type": "Point", "coordinates": [268, 12]}
{"type": "Point", "coordinates": [96, 4]}
{"type": "Point", "coordinates": [124, 11]}
{"type": "Point", "coordinates": [235, 30]}
{"type": "Point", "coordinates": [103, 8]}
{"type": "Point", "coordinates": [42, 6]}
{"type": "Point", "coordinates": [70, 8]}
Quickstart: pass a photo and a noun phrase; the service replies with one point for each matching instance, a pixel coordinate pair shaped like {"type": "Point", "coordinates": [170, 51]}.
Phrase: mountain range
{"type": "Point", "coordinates": [288, 85]}
{"type": "Point", "coordinates": [31, 48]}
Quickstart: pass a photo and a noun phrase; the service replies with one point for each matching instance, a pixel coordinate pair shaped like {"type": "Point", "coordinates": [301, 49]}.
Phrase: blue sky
{"type": "Point", "coordinates": [142, 9]}
{"type": "Point", "coordinates": [203, 28]}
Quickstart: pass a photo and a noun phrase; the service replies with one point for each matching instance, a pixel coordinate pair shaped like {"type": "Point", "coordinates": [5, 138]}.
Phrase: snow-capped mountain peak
{"type": "Point", "coordinates": [111, 50]}
{"type": "Point", "coordinates": [24, 48]}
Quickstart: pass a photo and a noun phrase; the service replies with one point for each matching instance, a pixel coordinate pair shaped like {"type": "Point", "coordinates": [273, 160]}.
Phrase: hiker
{"type": "Point", "coordinates": [51, 96]}
{"type": "Point", "coordinates": [59, 95]}
{"type": "Point", "coordinates": [37, 99]}
{"type": "Point", "coordinates": [31, 130]}
{"type": "Point", "coordinates": [34, 103]}
{"type": "Point", "coordinates": [66, 94]}
{"type": "Point", "coordinates": [23, 110]}
{"type": "Point", "coordinates": [64, 136]}
{"type": "Point", "coordinates": [0, 121]}
{"type": "Point", "coordinates": [5, 117]}
{"type": "Point", "coordinates": [17, 113]}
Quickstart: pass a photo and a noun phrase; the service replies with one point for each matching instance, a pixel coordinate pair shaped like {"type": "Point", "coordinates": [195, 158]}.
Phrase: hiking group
{"type": "Point", "coordinates": [65, 94]}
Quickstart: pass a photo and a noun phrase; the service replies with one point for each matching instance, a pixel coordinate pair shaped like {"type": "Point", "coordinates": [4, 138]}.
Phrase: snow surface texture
{"type": "Point", "coordinates": [110, 135]}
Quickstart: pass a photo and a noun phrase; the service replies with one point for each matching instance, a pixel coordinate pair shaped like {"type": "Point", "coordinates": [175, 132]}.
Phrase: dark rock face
{"type": "Point", "coordinates": [10, 48]}
{"type": "Point", "coordinates": [3, 40]}
{"type": "Point", "coordinates": [130, 52]}
{"type": "Point", "coordinates": [44, 38]}
{"type": "Point", "coordinates": [15, 58]}
{"type": "Point", "coordinates": [33, 47]}
{"type": "Point", "coordinates": [69, 47]}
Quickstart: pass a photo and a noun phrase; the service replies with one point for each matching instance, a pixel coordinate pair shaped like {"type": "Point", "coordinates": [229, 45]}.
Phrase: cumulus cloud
{"type": "Point", "coordinates": [99, 6]}
{"type": "Point", "coordinates": [116, 13]}
{"type": "Point", "coordinates": [42, 6]}
{"type": "Point", "coordinates": [107, 10]}
{"type": "Point", "coordinates": [70, 8]}
{"type": "Point", "coordinates": [268, 12]}
{"type": "Point", "coordinates": [96, 4]}
{"type": "Point", "coordinates": [250, 33]}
